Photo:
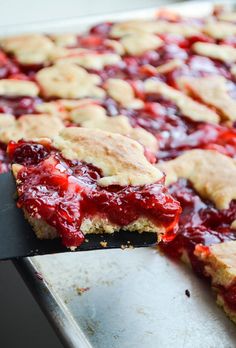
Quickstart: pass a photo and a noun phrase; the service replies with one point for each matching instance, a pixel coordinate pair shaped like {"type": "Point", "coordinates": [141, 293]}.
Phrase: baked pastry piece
{"type": "Point", "coordinates": [219, 264]}
{"type": "Point", "coordinates": [204, 183]}
{"type": "Point", "coordinates": [90, 181]}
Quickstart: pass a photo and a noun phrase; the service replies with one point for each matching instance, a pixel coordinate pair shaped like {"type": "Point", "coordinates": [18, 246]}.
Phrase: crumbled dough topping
{"type": "Point", "coordinates": [212, 90]}
{"type": "Point", "coordinates": [115, 45]}
{"type": "Point", "coordinates": [68, 81]}
{"type": "Point", "coordinates": [189, 107]}
{"type": "Point", "coordinates": [30, 126]}
{"type": "Point", "coordinates": [13, 88]}
{"type": "Point", "coordinates": [62, 107]}
{"type": "Point", "coordinates": [29, 49]}
{"type": "Point", "coordinates": [169, 66]}
{"type": "Point", "coordinates": [94, 116]}
{"type": "Point", "coordinates": [220, 30]}
{"type": "Point", "coordinates": [153, 27]}
{"type": "Point", "coordinates": [64, 40]}
{"type": "Point", "coordinates": [120, 158]}
{"type": "Point", "coordinates": [123, 93]}
{"type": "Point", "coordinates": [139, 43]}
{"type": "Point", "coordinates": [225, 53]}
{"type": "Point", "coordinates": [91, 60]}
{"type": "Point", "coordinates": [211, 174]}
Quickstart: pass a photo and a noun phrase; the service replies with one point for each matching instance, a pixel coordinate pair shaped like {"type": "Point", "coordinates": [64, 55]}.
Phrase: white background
{"type": "Point", "coordinates": [28, 11]}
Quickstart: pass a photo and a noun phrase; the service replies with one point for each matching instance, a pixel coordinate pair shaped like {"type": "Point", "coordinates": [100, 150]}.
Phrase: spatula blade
{"type": "Point", "coordinates": [17, 238]}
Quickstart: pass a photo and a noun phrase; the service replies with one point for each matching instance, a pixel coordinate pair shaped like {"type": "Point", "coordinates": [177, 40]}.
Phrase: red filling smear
{"type": "Point", "coordinates": [63, 193]}
{"type": "Point", "coordinates": [200, 223]}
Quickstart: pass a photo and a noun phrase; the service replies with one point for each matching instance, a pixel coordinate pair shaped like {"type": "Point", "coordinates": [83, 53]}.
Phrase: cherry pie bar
{"type": "Point", "coordinates": [90, 121]}
{"type": "Point", "coordinates": [90, 181]}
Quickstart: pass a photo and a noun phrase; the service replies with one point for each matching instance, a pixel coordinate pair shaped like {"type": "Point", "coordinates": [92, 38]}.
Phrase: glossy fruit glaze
{"type": "Point", "coordinates": [63, 193]}
{"type": "Point", "coordinates": [174, 132]}
{"type": "Point", "coordinates": [200, 223]}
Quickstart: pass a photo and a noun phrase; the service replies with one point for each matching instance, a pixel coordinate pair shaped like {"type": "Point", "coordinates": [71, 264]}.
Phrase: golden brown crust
{"type": "Point", "coordinates": [220, 30]}
{"type": "Point", "coordinates": [13, 88]}
{"type": "Point", "coordinates": [213, 91]}
{"type": "Point", "coordinates": [62, 107]}
{"type": "Point", "coordinates": [121, 159]}
{"type": "Point", "coordinates": [123, 93]}
{"type": "Point", "coordinates": [94, 225]}
{"type": "Point", "coordinates": [68, 81]}
{"type": "Point", "coordinates": [94, 116]}
{"type": "Point", "coordinates": [187, 105]}
{"type": "Point", "coordinates": [154, 27]}
{"type": "Point", "coordinates": [169, 66]}
{"type": "Point", "coordinates": [220, 265]}
{"type": "Point", "coordinates": [211, 174]}
{"type": "Point", "coordinates": [224, 53]}
{"type": "Point", "coordinates": [137, 44]}
{"type": "Point", "coordinates": [64, 39]}
{"type": "Point", "coordinates": [220, 262]}
{"type": "Point", "coordinates": [31, 126]}
{"type": "Point", "coordinates": [29, 49]}
{"type": "Point", "coordinates": [90, 60]}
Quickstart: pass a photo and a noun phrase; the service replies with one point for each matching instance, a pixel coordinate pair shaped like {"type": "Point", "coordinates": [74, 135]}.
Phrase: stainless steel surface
{"type": "Point", "coordinates": [131, 298]}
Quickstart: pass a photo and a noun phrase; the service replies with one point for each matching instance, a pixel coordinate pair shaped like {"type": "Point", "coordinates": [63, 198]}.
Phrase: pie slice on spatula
{"type": "Point", "coordinates": [87, 181]}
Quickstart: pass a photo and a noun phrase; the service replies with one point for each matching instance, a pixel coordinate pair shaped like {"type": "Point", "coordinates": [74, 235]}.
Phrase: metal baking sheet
{"type": "Point", "coordinates": [124, 298]}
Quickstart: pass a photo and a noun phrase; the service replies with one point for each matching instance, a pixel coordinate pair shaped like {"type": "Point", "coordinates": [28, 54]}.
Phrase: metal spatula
{"type": "Point", "coordinates": [17, 238]}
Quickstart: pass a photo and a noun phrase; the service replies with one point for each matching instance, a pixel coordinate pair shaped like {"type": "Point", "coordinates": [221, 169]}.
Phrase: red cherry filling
{"type": "Point", "coordinates": [174, 132]}
{"type": "Point", "coordinates": [27, 153]}
{"type": "Point", "coordinates": [4, 164]}
{"type": "Point", "coordinates": [18, 105]}
{"type": "Point", "coordinates": [200, 223]}
{"type": "Point", "coordinates": [63, 193]}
